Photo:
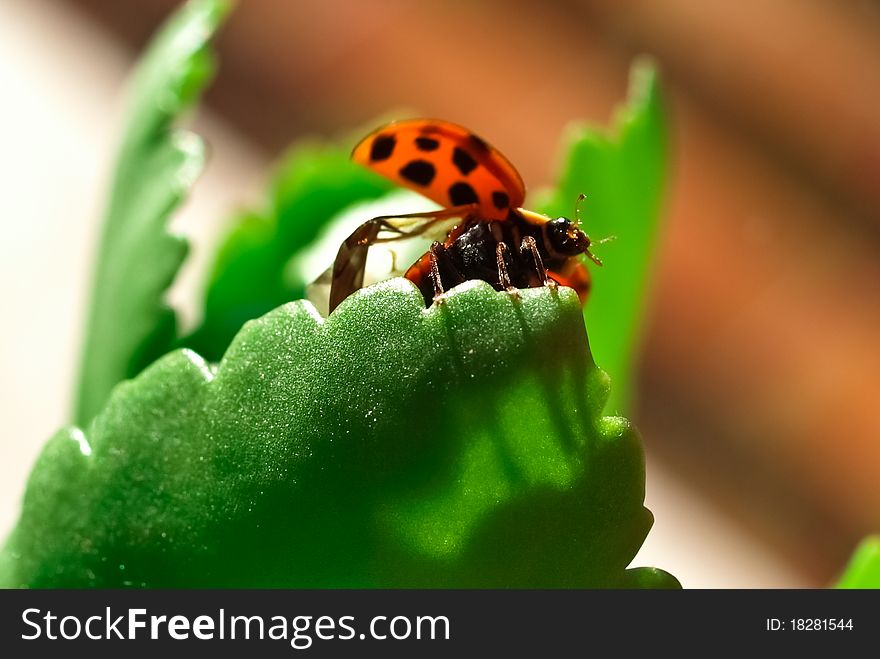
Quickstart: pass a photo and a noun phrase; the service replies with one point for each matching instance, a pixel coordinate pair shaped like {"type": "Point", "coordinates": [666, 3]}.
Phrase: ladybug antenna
{"type": "Point", "coordinates": [577, 209]}
{"type": "Point", "coordinates": [592, 257]}
{"type": "Point", "coordinates": [577, 223]}
{"type": "Point", "coordinates": [601, 241]}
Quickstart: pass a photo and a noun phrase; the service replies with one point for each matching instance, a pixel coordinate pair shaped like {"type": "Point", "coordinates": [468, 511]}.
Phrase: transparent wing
{"type": "Point", "coordinates": [347, 273]}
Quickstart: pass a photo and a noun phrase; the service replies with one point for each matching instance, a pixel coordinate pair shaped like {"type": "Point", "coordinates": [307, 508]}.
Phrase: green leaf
{"type": "Point", "coordinates": [386, 446]}
{"type": "Point", "coordinates": [622, 175]}
{"type": "Point", "coordinates": [130, 325]}
{"type": "Point", "coordinates": [863, 570]}
{"type": "Point", "coordinates": [313, 184]}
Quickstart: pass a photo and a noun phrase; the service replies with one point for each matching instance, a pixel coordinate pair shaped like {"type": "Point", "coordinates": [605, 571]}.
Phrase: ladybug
{"type": "Point", "coordinates": [482, 231]}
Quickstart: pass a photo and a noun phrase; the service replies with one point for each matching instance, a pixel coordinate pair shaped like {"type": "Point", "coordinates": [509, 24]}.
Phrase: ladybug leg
{"type": "Point", "coordinates": [440, 260]}
{"type": "Point", "coordinates": [501, 251]}
{"type": "Point", "coordinates": [529, 244]}
{"type": "Point", "coordinates": [435, 274]}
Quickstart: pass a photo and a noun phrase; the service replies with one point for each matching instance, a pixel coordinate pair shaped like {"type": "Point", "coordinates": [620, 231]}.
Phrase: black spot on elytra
{"type": "Point", "coordinates": [501, 200]}
{"type": "Point", "coordinates": [461, 194]}
{"type": "Point", "coordinates": [420, 172]}
{"type": "Point", "coordinates": [463, 160]}
{"type": "Point", "coordinates": [427, 143]}
{"type": "Point", "coordinates": [382, 147]}
{"type": "Point", "coordinates": [478, 143]}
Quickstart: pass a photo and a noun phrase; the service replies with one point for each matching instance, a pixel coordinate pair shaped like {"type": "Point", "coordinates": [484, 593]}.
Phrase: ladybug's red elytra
{"type": "Point", "coordinates": [482, 230]}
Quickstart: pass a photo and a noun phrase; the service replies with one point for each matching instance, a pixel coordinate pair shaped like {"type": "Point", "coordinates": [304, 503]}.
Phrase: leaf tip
{"type": "Point", "coordinates": [863, 570]}
{"type": "Point", "coordinates": [643, 80]}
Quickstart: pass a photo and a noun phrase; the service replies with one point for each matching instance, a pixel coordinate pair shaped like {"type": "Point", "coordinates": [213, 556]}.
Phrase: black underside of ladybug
{"type": "Point", "coordinates": [474, 254]}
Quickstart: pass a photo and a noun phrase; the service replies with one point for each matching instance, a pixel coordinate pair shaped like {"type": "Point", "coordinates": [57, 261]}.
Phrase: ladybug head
{"type": "Point", "coordinates": [567, 239]}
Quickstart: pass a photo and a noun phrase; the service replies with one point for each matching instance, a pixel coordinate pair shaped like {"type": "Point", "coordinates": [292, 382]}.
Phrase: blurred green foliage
{"type": "Point", "coordinates": [129, 323]}
{"type": "Point", "coordinates": [863, 570]}
{"type": "Point", "coordinates": [622, 174]}
{"type": "Point", "coordinates": [250, 277]}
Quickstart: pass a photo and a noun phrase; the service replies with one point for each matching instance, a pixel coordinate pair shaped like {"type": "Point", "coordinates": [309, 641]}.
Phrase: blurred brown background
{"type": "Point", "coordinates": [760, 376]}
